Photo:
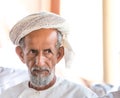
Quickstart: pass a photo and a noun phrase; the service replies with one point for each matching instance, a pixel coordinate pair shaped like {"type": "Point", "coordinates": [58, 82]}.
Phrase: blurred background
{"type": "Point", "coordinates": [94, 35]}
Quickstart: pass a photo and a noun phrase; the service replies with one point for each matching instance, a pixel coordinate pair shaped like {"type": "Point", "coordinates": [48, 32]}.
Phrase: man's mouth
{"type": "Point", "coordinates": [38, 72]}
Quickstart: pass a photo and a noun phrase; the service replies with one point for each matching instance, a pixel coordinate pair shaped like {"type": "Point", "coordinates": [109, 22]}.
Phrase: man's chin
{"type": "Point", "coordinates": [41, 80]}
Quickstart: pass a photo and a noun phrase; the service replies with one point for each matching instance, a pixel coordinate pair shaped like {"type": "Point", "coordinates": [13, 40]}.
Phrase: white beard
{"type": "Point", "coordinates": [39, 80]}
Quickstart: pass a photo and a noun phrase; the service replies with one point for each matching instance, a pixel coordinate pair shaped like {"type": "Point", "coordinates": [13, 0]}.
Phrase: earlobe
{"type": "Point", "coordinates": [20, 53]}
{"type": "Point", "coordinates": [60, 54]}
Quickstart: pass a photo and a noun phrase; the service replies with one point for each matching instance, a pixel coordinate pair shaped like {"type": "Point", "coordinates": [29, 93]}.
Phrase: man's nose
{"type": "Point", "coordinates": [40, 59]}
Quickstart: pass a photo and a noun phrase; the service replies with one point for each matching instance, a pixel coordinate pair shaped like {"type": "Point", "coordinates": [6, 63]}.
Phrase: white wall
{"type": "Point", "coordinates": [85, 18]}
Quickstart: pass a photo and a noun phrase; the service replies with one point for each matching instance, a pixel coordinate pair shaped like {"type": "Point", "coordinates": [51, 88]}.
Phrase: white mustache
{"type": "Point", "coordinates": [40, 69]}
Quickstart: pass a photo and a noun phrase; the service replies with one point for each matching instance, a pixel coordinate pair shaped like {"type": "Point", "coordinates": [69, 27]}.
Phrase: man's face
{"type": "Point", "coordinates": [41, 55]}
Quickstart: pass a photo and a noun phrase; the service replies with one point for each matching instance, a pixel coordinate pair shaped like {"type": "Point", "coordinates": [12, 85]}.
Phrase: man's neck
{"type": "Point", "coordinates": [43, 87]}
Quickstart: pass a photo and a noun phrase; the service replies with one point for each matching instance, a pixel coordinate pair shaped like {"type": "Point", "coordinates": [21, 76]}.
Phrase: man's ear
{"type": "Point", "coordinates": [60, 54]}
{"type": "Point", "coordinates": [20, 53]}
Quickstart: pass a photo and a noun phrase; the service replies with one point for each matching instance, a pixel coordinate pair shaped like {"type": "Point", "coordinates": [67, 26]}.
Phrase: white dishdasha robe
{"type": "Point", "coordinates": [61, 89]}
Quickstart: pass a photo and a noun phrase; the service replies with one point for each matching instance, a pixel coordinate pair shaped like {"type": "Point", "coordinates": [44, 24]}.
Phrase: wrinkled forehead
{"type": "Point", "coordinates": [42, 36]}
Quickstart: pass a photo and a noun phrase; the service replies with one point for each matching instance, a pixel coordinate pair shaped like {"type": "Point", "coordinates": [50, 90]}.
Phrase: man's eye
{"type": "Point", "coordinates": [33, 51]}
{"type": "Point", "coordinates": [47, 51]}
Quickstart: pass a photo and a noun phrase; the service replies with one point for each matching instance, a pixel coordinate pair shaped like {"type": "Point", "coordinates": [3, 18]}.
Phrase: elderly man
{"type": "Point", "coordinates": [41, 41]}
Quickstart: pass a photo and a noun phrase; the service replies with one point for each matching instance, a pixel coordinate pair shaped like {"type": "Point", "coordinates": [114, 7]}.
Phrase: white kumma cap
{"type": "Point", "coordinates": [41, 20]}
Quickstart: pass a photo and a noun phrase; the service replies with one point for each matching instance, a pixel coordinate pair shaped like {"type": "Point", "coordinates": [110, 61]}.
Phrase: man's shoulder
{"type": "Point", "coordinates": [69, 83]}
{"type": "Point", "coordinates": [14, 90]}
{"type": "Point", "coordinates": [76, 89]}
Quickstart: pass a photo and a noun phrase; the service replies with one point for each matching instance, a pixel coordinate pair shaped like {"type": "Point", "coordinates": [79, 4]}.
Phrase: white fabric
{"type": "Point", "coordinates": [101, 89]}
{"type": "Point", "coordinates": [61, 89]}
{"type": "Point", "coordinates": [107, 96]}
{"type": "Point", "coordinates": [40, 20]}
{"type": "Point", "coordinates": [11, 77]}
{"type": "Point", "coordinates": [113, 93]}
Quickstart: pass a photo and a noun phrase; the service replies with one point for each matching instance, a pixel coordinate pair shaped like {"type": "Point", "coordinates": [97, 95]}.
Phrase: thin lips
{"type": "Point", "coordinates": [41, 70]}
